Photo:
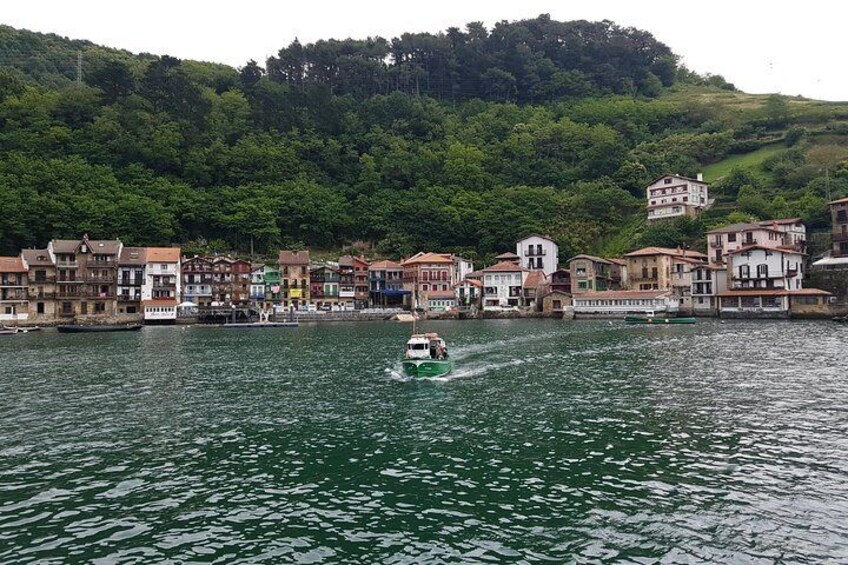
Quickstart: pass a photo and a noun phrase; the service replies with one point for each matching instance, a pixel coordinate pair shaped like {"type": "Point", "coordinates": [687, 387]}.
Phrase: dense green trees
{"type": "Point", "coordinates": [464, 140]}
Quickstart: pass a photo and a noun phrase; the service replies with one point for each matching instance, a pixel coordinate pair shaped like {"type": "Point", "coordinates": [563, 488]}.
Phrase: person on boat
{"type": "Point", "coordinates": [441, 351]}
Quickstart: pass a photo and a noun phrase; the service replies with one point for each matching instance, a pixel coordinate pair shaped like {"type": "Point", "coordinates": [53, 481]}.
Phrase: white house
{"type": "Point", "coordinates": [761, 280]}
{"type": "Point", "coordinates": [620, 303]}
{"type": "Point", "coordinates": [503, 285]}
{"type": "Point", "coordinates": [461, 268]}
{"type": "Point", "coordinates": [672, 196]}
{"type": "Point", "coordinates": [468, 292]}
{"type": "Point", "coordinates": [161, 289]}
{"type": "Point", "coordinates": [707, 283]}
{"type": "Point", "coordinates": [538, 253]}
{"type": "Point", "coordinates": [789, 233]}
{"type": "Point", "coordinates": [257, 285]}
{"type": "Point", "coordinates": [439, 300]}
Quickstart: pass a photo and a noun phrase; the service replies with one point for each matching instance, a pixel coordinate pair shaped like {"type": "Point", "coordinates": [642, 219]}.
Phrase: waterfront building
{"type": "Point", "coordinates": [707, 283]}
{"type": "Point", "coordinates": [652, 268]}
{"type": "Point", "coordinates": [347, 282]}
{"type": "Point", "coordinates": [461, 268]}
{"type": "Point", "coordinates": [538, 253]}
{"type": "Point", "coordinates": [469, 292]}
{"type": "Point", "coordinates": [294, 275]}
{"type": "Point", "coordinates": [385, 283]}
{"type": "Point", "coordinates": [86, 276]}
{"type": "Point", "coordinates": [41, 277]}
{"type": "Point", "coordinates": [618, 271]}
{"type": "Point", "coordinates": [14, 289]}
{"type": "Point", "coordinates": [324, 283]}
{"type": "Point", "coordinates": [427, 272]}
{"type": "Point", "coordinates": [198, 274]}
{"type": "Point", "coordinates": [789, 233]}
{"type": "Point", "coordinates": [774, 303]}
{"type": "Point", "coordinates": [222, 281]}
{"type": "Point", "coordinates": [257, 286]}
{"type": "Point", "coordinates": [533, 288]}
{"type": "Point", "coordinates": [760, 279]}
{"type": "Point", "coordinates": [272, 285]}
{"type": "Point", "coordinates": [674, 196]}
{"type": "Point", "coordinates": [241, 282]}
{"type": "Point", "coordinates": [131, 278]}
{"type": "Point", "coordinates": [556, 301]}
{"type": "Point", "coordinates": [439, 301]}
{"type": "Point", "coordinates": [560, 281]}
{"type": "Point", "coordinates": [503, 285]}
{"type": "Point", "coordinates": [589, 274]}
{"type": "Point", "coordinates": [360, 281]}
{"type": "Point", "coordinates": [836, 259]}
{"type": "Point", "coordinates": [620, 303]}
{"type": "Point", "coordinates": [160, 292]}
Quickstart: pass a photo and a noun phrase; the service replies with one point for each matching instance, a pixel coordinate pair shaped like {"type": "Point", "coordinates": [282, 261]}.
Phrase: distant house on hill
{"type": "Point", "coordinates": [674, 196]}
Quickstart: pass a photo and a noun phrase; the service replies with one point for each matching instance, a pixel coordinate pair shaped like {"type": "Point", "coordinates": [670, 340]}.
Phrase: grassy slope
{"type": "Point", "coordinates": [751, 161]}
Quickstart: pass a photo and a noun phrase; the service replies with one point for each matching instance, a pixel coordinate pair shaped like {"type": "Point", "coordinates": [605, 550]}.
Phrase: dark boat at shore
{"type": "Point", "coordinates": [92, 329]}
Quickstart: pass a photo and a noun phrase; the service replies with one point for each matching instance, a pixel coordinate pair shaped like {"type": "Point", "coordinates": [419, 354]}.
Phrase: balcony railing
{"type": "Point", "coordinates": [536, 252]}
{"type": "Point", "coordinates": [129, 298]}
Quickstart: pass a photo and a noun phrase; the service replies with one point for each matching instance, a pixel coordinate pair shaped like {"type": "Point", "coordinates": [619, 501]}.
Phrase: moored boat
{"type": "Point", "coordinates": [93, 329]}
{"type": "Point", "coordinates": [426, 355]}
{"type": "Point", "coordinates": [20, 329]}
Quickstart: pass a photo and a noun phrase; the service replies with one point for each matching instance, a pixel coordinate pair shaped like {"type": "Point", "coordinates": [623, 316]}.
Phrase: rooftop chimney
{"type": "Point", "coordinates": [700, 177]}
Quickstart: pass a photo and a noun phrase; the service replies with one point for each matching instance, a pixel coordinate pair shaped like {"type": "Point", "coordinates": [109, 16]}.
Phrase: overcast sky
{"type": "Point", "coordinates": [791, 48]}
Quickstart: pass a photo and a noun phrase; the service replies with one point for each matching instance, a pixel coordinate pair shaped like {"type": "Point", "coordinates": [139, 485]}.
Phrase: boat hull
{"type": "Point", "coordinates": [94, 329]}
{"type": "Point", "coordinates": [427, 367]}
{"type": "Point", "coordinates": [657, 321]}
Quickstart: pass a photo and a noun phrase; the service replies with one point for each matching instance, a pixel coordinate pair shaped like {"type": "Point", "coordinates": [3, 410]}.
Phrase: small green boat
{"type": "Point", "coordinates": [426, 355]}
{"type": "Point", "coordinates": [654, 321]}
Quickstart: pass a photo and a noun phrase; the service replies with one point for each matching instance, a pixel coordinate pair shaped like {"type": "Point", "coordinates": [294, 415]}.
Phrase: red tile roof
{"type": "Point", "coordinates": [12, 265]}
{"type": "Point", "coordinates": [590, 258]}
{"type": "Point", "coordinates": [508, 256]}
{"type": "Point", "coordinates": [440, 294]}
{"type": "Point", "coordinates": [421, 258]}
{"type": "Point", "coordinates": [385, 266]}
{"type": "Point", "coordinates": [505, 267]}
{"type": "Point", "coordinates": [160, 302]}
{"type": "Point", "coordinates": [764, 247]}
{"type": "Point", "coordinates": [163, 254]}
{"type": "Point", "coordinates": [472, 282]}
{"type": "Point", "coordinates": [294, 257]}
{"type": "Point", "coordinates": [534, 279]}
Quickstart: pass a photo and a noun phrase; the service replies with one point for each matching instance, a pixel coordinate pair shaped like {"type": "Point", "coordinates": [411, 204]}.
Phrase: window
{"type": "Point", "coordinates": [762, 271]}
{"type": "Point", "coordinates": [39, 308]}
{"type": "Point", "coordinates": [744, 271]}
{"type": "Point", "coordinates": [666, 181]}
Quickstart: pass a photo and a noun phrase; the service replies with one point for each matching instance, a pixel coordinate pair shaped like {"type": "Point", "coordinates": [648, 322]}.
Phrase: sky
{"type": "Point", "coordinates": [762, 47]}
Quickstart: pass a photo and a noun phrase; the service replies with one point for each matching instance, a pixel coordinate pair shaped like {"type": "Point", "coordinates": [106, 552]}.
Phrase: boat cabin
{"type": "Point", "coordinates": [426, 346]}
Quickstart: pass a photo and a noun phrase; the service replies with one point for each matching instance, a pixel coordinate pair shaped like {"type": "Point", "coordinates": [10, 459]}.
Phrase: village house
{"type": "Point", "coordinates": [789, 233]}
{"type": "Point", "coordinates": [360, 272]}
{"type": "Point", "coordinates": [131, 278]}
{"type": "Point", "coordinates": [674, 196]}
{"type": "Point", "coordinates": [469, 292]}
{"type": "Point", "coordinates": [560, 281]}
{"type": "Point", "coordinates": [461, 268]}
{"type": "Point", "coordinates": [509, 257]}
{"type": "Point", "coordinates": [555, 302]}
{"type": "Point", "coordinates": [534, 287]}
{"type": "Point", "coordinates": [618, 272]}
{"type": "Point", "coordinates": [222, 281]}
{"type": "Point", "coordinates": [385, 283]}
{"type": "Point", "coordinates": [836, 259]}
{"type": "Point", "coordinates": [198, 274]}
{"type": "Point", "coordinates": [620, 303]}
{"type": "Point", "coordinates": [662, 268]}
{"type": "Point", "coordinates": [762, 280]}
{"type": "Point", "coordinates": [707, 283]}
{"type": "Point", "coordinates": [538, 253]}
{"type": "Point", "coordinates": [439, 301]}
{"type": "Point", "coordinates": [14, 289]}
{"type": "Point", "coordinates": [86, 276]}
{"type": "Point", "coordinates": [503, 285]}
{"type": "Point", "coordinates": [257, 286]}
{"type": "Point", "coordinates": [272, 286]}
{"type": "Point", "coordinates": [41, 276]}
{"type": "Point", "coordinates": [427, 272]}
{"type": "Point", "coordinates": [162, 284]}
{"type": "Point", "coordinates": [324, 283]}
{"type": "Point", "coordinates": [589, 273]}
{"type": "Point", "coordinates": [347, 282]}
{"type": "Point", "coordinates": [241, 282]}
{"type": "Point", "coordinates": [294, 274]}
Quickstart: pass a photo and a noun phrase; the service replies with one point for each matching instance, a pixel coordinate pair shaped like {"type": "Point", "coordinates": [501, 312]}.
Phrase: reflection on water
{"type": "Point", "coordinates": [550, 441]}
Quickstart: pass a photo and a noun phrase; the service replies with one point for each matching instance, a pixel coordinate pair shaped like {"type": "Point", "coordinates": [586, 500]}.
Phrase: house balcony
{"type": "Point", "coordinates": [129, 298]}
{"type": "Point", "coordinates": [101, 279]}
{"type": "Point", "coordinates": [715, 244]}
{"type": "Point", "coordinates": [536, 252]}
{"type": "Point", "coordinates": [67, 265]}
{"type": "Point", "coordinates": [43, 280]}
{"type": "Point", "coordinates": [35, 295]}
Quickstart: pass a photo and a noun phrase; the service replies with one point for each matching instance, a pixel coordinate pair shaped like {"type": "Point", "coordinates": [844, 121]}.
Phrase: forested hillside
{"type": "Point", "coordinates": [464, 140]}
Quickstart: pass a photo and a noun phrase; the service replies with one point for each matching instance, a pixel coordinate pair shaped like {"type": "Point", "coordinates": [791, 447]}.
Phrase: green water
{"type": "Point", "coordinates": [550, 442]}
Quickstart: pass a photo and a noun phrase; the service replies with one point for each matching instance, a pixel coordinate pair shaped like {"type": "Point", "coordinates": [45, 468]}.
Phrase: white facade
{"type": "Point", "coordinates": [764, 268]}
{"type": "Point", "coordinates": [196, 292]}
{"type": "Point", "coordinates": [160, 313]}
{"type": "Point", "coordinates": [724, 241]}
{"type": "Point", "coordinates": [503, 288]}
{"type": "Point", "coordinates": [672, 196]}
{"type": "Point", "coordinates": [622, 303]}
{"type": "Point", "coordinates": [707, 282]}
{"type": "Point", "coordinates": [162, 280]}
{"type": "Point", "coordinates": [461, 268]}
{"type": "Point", "coordinates": [538, 253]}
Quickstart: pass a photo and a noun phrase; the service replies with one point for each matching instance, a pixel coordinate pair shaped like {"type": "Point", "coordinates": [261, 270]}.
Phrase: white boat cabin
{"type": "Point", "coordinates": [426, 346]}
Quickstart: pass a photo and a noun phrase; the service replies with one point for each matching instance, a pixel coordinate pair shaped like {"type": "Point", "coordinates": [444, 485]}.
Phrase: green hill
{"type": "Point", "coordinates": [460, 140]}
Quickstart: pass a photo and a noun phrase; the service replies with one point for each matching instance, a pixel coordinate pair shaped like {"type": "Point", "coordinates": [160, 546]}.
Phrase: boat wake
{"type": "Point", "coordinates": [396, 372]}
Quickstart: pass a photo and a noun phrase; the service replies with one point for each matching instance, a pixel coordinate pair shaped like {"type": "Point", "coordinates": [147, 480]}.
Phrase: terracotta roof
{"type": "Point", "coordinates": [133, 256]}
{"type": "Point", "coordinates": [346, 261]}
{"type": "Point", "coordinates": [741, 227]}
{"type": "Point", "coordinates": [440, 294]}
{"type": "Point", "coordinates": [619, 262]}
{"type": "Point", "coordinates": [474, 275]}
{"type": "Point", "coordinates": [764, 247]}
{"type": "Point", "coordinates": [781, 222]}
{"type": "Point", "coordinates": [622, 294]}
{"type": "Point", "coordinates": [677, 177]}
{"type": "Point", "coordinates": [428, 258]}
{"type": "Point", "coordinates": [534, 279]}
{"type": "Point", "coordinates": [163, 254]}
{"type": "Point", "coordinates": [646, 251]}
{"type": "Point", "coordinates": [505, 267]}
{"type": "Point", "coordinates": [590, 258]}
{"type": "Point", "coordinates": [160, 302]}
{"type": "Point", "coordinates": [12, 265]}
{"type": "Point", "coordinates": [509, 255]}
{"type": "Point", "coordinates": [294, 257]}
{"type": "Point", "coordinates": [31, 256]}
{"type": "Point", "coordinates": [384, 265]}
{"type": "Point", "coordinates": [472, 282]}
{"type": "Point", "coordinates": [810, 292]}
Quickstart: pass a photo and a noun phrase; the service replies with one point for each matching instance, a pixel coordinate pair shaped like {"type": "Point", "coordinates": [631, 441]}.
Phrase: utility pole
{"type": "Point", "coordinates": [79, 68]}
